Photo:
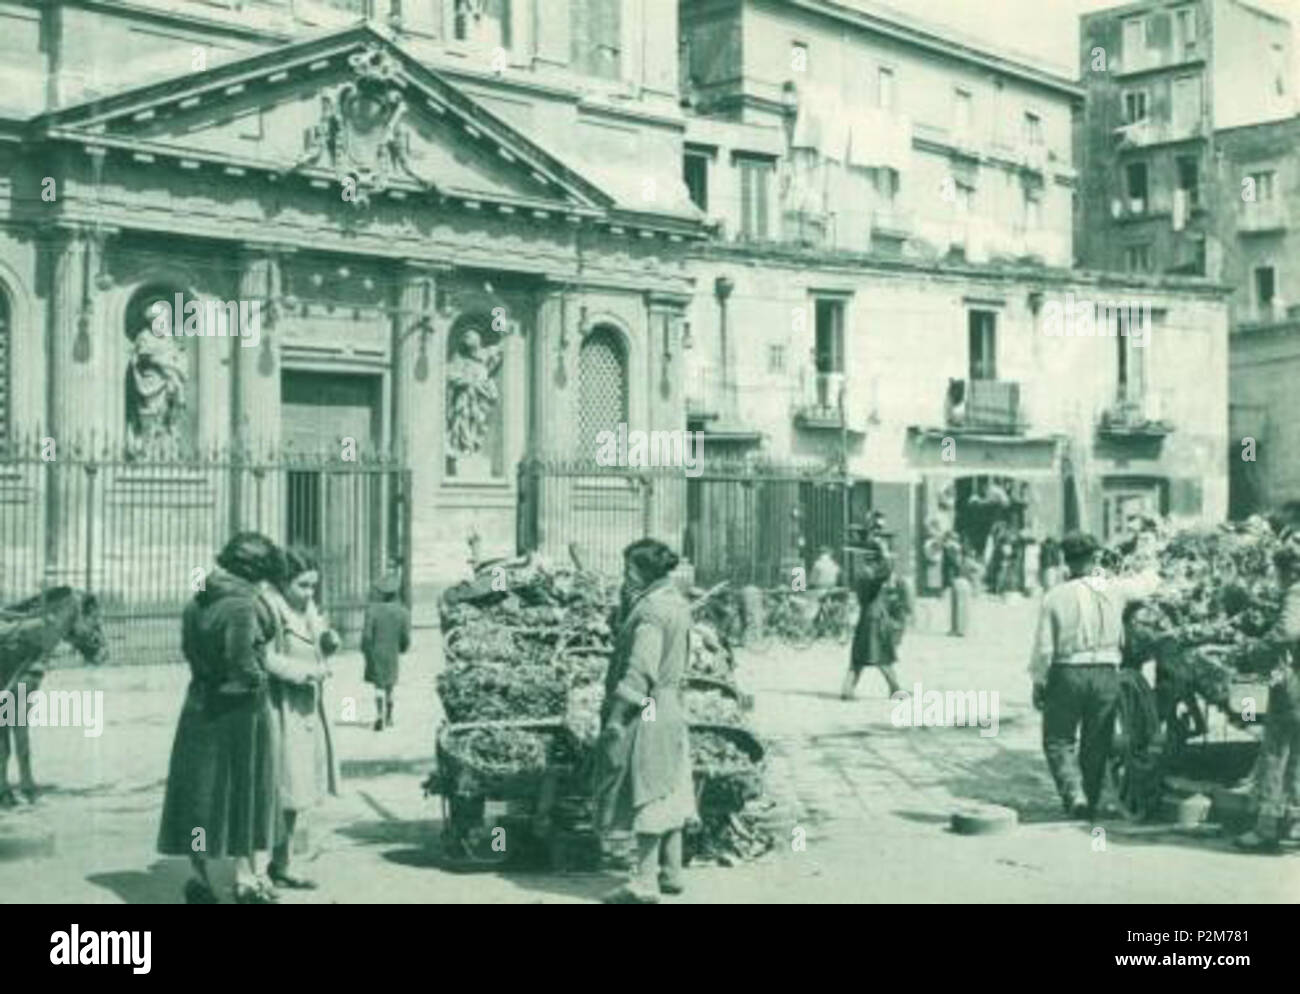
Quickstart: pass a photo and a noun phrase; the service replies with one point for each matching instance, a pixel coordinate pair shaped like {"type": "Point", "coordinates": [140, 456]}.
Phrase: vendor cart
{"type": "Point", "coordinates": [539, 814]}
{"type": "Point", "coordinates": [1164, 731]}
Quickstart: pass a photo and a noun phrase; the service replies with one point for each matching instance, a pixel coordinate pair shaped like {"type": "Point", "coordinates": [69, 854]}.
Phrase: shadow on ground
{"type": "Point", "coordinates": [162, 883]}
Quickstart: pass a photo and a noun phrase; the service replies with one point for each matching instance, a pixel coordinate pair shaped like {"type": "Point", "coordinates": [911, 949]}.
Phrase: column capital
{"type": "Point", "coordinates": [663, 300]}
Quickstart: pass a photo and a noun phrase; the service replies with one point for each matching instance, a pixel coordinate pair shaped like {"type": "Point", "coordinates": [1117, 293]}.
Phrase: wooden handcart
{"type": "Point", "coordinates": [1164, 732]}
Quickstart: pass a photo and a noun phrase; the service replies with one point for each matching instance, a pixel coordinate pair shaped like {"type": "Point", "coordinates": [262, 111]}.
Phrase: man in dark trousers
{"type": "Point", "coordinates": [1075, 670]}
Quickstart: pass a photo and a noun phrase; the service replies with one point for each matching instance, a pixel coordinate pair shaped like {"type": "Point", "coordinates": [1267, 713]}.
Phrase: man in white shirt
{"type": "Point", "coordinates": [1075, 670]}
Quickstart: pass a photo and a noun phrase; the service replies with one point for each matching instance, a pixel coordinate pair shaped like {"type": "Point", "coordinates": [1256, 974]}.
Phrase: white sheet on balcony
{"type": "Point", "coordinates": [879, 139]}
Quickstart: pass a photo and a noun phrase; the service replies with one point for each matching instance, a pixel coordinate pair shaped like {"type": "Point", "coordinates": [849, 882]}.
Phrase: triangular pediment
{"type": "Point", "coordinates": [349, 107]}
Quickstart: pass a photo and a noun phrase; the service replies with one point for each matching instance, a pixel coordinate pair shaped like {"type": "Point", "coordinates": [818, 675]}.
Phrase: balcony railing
{"type": "Point", "coordinates": [1260, 217]}
{"type": "Point", "coordinates": [887, 223]}
{"type": "Point", "coordinates": [822, 402]}
{"type": "Point", "coordinates": [1141, 415]}
{"type": "Point", "coordinates": [985, 406]}
{"type": "Point", "coordinates": [1149, 131]}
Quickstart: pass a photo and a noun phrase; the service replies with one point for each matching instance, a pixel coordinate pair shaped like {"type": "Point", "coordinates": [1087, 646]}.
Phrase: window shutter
{"type": "Point", "coordinates": [746, 200]}
{"type": "Point", "coordinates": [1185, 497]}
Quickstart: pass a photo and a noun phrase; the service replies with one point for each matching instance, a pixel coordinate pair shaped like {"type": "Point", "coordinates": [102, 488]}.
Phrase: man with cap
{"type": "Point", "coordinates": [1075, 670]}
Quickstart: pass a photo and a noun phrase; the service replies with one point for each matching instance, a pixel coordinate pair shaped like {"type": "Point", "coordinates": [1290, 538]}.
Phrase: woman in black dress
{"type": "Point", "coordinates": [883, 612]}
{"type": "Point", "coordinates": [222, 784]}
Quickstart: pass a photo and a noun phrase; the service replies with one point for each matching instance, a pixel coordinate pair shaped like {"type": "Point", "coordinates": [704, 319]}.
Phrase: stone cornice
{"type": "Point", "coordinates": [868, 264]}
{"type": "Point", "coordinates": [189, 18]}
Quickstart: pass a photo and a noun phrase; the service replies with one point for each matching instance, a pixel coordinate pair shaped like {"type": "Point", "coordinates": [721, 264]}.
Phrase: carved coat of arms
{"type": "Point", "coordinates": [361, 133]}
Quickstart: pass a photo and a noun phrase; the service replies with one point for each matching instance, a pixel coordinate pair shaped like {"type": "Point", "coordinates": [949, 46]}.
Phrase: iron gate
{"type": "Point", "coordinates": [140, 534]}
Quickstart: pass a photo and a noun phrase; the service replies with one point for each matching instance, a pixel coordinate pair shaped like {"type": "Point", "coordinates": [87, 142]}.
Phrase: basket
{"type": "Point", "coordinates": [742, 737]}
{"type": "Point", "coordinates": [459, 773]}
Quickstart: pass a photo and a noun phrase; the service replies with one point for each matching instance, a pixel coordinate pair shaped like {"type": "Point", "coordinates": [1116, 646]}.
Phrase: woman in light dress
{"type": "Point", "coordinates": [296, 663]}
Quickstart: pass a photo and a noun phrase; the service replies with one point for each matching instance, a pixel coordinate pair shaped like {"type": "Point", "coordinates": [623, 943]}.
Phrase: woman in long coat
{"type": "Point", "coordinates": [643, 780]}
{"type": "Point", "coordinates": [222, 784]}
{"type": "Point", "coordinates": [883, 611]}
{"type": "Point", "coordinates": [308, 769]}
{"type": "Point", "coordinates": [385, 635]}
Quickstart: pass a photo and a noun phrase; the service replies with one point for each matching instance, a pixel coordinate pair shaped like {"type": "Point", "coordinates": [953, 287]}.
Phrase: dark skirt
{"type": "Point", "coordinates": [381, 670]}
{"type": "Point", "coordinates": [222, 777]}
{"type": "Point", "coordinates": [874, 640]}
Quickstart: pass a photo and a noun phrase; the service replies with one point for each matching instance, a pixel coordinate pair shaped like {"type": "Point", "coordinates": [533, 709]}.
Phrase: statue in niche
{"type": "Point", "coordinates": [473, 398]}
{"type": "Point", "coordinates": [156, 374]}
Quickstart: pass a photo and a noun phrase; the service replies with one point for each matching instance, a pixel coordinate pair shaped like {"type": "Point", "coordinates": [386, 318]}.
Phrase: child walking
{"type": "Point", "coordinates": [385, 635]}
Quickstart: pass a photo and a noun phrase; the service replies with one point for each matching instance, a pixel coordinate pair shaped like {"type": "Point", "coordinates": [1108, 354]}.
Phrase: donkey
{"type": "Point", "coordinates": [29, 632]}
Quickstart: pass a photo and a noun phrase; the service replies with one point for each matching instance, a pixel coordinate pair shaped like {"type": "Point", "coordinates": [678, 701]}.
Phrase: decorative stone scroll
{"type": "Point", "coordinates": [362, 134]}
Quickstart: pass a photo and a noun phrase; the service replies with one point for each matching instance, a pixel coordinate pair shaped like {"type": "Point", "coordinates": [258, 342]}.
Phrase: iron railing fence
{"type": "Point", "coordinates": [140, 533]}
{"type": "Point", "coordinates": [741, 522]}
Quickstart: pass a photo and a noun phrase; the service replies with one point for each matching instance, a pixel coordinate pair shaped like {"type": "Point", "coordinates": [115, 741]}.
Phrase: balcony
{"type": "Point", "coordinates": [891, 225]}
{"type": "Point", "coordinates": [1135, 416]}
{"type": "Point", "coordinates": [1260, 218]}
{"type": "Point", "coordinates": [706, 394]}
{"type": "Point", "coordinates": [821, 403]}
{"type": "Point", "coordinates": [1148, 131]}
{"type": "Point", "coordinates": [985, 407]}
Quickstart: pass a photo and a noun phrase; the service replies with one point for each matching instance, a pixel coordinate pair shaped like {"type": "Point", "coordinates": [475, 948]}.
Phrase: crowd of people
{"type": "Point", "coordinates": [253, 751]}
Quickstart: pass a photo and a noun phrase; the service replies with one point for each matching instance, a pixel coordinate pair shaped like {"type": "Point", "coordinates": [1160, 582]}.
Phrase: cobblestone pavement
{"type": "Point", "coordinates": [871, 800]}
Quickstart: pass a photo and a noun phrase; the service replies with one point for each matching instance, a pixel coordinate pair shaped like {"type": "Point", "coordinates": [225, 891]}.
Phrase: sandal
{"type": "Point", "coordinates": [8, 799]}
{"type": "Point", "coordinates": [198, 892]}
{"type": "Point", "coordinates": [287, 880]}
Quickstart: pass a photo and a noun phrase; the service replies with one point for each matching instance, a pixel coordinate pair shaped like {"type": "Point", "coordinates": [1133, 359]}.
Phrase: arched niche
{"type": "Point", "coordinates": [474, 445]}
{"type": "Point", "coordinates": [160, 371]}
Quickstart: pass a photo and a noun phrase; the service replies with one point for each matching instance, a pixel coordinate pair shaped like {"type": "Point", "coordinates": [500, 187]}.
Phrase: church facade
{"type": "Point", "coordinates": [327, 246]}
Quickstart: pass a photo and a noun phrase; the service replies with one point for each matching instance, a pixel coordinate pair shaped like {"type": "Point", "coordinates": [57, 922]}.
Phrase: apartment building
{"type": "Point", "coordinates": [892, 273]}
{"type": "Point", "coordinates": [1261, 165]}
{"type": "Point", "coordinates": [1162, 79]}
{"type": "Point", "coordinates": [1188, 157]}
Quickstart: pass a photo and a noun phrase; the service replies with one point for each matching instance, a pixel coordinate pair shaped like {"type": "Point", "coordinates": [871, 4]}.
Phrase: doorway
{"type": "Point", "coordinates": [337, 488]}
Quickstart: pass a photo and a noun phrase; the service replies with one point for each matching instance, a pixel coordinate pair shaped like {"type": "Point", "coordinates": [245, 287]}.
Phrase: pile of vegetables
{"type": "Point", "coordinates": [1219, 600]}
{"type": "Point", "coordinates": [526, 643]}
{"type": "Point", "coordinates": [522, 641]}
{"type": "Point", "coordinates": [493, 690]}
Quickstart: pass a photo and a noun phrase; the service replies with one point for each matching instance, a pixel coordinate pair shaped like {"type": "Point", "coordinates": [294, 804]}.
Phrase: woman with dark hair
{"type": "Point", "coordinates": [298, 672]}
{"type": "Point", "coordinates": [643, 781]}
{"type": "Point", "coordinates": [222, 788]}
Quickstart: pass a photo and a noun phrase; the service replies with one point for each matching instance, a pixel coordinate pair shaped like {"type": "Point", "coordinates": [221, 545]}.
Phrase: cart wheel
{"type": "Point", "coordinates": [1134, 768]}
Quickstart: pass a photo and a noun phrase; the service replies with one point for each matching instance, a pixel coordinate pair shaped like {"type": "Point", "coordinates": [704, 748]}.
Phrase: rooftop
{"type": "Point", "coordinates": [873, 16]}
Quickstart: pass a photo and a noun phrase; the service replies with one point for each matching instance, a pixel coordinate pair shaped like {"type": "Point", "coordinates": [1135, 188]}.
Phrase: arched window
{"type": "Point", "coordinates": [602, 387]}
